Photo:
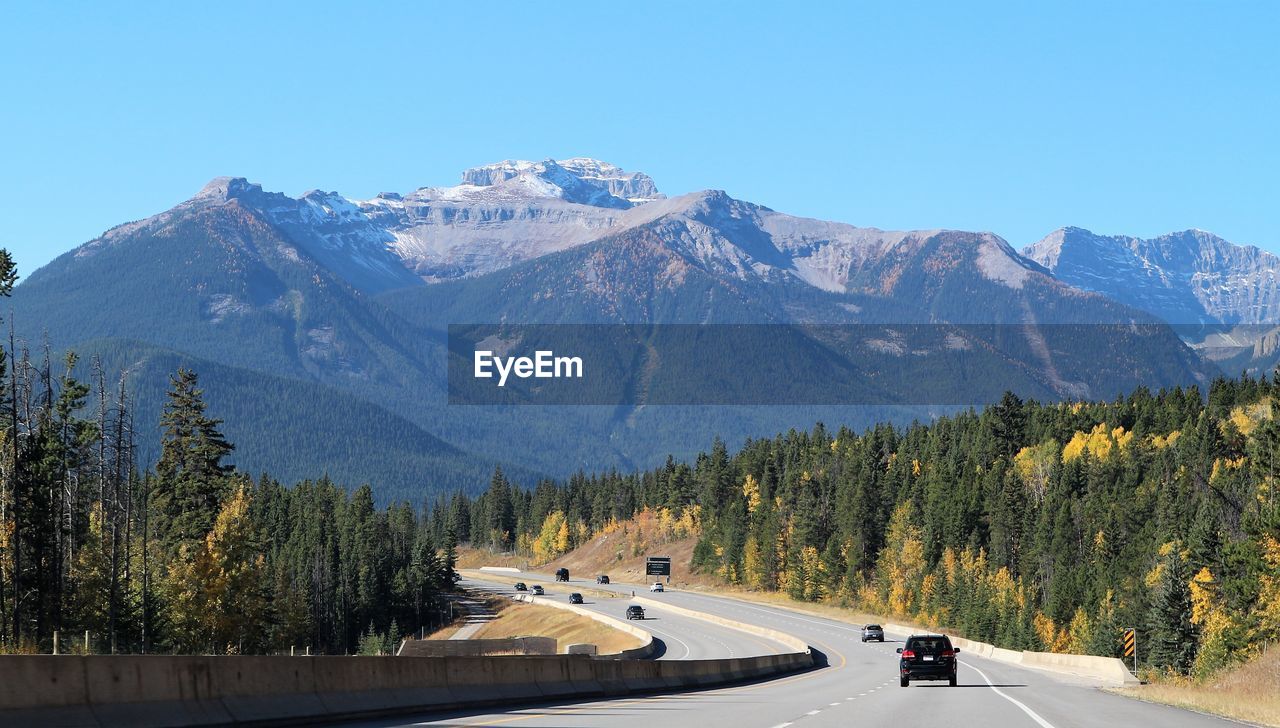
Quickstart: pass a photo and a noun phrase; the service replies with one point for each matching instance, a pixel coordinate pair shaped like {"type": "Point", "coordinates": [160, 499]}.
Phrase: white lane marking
{"type": "Point", "coordinates": [833, 705]}
{"type": "Point", "coordinates": [1034, 715]}
{"type": "Point", "coordinates": [814, 712]}
{"type": "Point", "coordinates": [782, 725]}
{"type": "Point", "coordinates": [687, 651]}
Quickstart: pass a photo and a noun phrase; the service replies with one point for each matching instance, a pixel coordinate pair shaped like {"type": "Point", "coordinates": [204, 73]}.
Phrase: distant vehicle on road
{"type": "Point", "coordinates": [656, 587]}
{"type": "Point", "coordinates": [575, 598]}
{"type": "Point", "coordinates": [635, 611]}
{"type": "Point", "coordinates": [602, 579]}
{"type": "Point", "coordinates": [521, 586]}
{"type": "Point", "coordinates": [562, 574]}
{"type": "Point", "coordinates": [872, 632]}
{"type": "Point", "coordinates": [927, 657]}
{"type": "Point", "coordinates": [537, 589]}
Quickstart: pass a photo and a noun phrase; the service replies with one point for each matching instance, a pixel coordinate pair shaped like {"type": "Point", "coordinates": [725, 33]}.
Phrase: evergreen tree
{"type": "Point", "coordinates": [502, 518]}
{"type": "Point", "coordinates": [1171, 635]}
{"type": "Point", "coordinates": [191, 478]}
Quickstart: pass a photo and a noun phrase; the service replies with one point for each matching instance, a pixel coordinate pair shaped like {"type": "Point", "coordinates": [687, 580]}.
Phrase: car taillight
{"type": "Point", "coordinates": [908, 654]}
{"type": "Point", "coordinates": [948, 653]}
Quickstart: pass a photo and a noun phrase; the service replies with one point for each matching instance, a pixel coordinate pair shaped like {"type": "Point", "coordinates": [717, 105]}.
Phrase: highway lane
{"type": "Point", "coordinates": [682, 637]}
{"type": "Point", "coordinates": [857, 687]}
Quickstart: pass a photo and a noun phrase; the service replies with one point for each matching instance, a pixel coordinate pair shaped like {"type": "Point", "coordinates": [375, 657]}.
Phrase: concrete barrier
{"type": "Point", "coordinates": [71, 690]}
{"type": "Point", "coordinates": [981, 649]}
{"type": "Point", "coordinates": [150, 690]}
{"type": "Point", "coordinates": [1107, 669]}
{"type": "Point", "coordinates": [1000, 654]}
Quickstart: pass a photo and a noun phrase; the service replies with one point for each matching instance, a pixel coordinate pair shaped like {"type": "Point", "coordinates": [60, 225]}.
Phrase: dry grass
{"type": "Point", "coordinates": [474, 558]}
{"type": "Point", "coordinates": [1250, 692]}
{"type": "Point", "coordinates": [526, 620]}
{"type": "Point", "coordinates": [446, 632]}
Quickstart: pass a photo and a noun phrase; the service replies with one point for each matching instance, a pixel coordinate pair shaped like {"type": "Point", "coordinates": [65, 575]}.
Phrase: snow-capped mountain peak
{"type": "Point", "coordinates": [578, 180]}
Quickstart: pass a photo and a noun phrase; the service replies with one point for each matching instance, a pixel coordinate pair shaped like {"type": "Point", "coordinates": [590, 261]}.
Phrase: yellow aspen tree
{"type": "Point", "coordinates": [752, 564]}
{"type": "Point", "coordinates": [751, 491]}
{"type": "Point", "coordinates": [562, 539]}
{"type": "Point", "coordinates": [1268, 609]}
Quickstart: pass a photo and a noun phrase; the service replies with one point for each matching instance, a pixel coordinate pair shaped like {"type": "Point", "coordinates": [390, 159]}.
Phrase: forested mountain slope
{"type": "Point", "coordinates": [1038, 526]}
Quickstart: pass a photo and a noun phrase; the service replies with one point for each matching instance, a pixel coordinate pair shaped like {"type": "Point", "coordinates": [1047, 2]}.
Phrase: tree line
{"type": "Point", "coordinates": [190, 556]}
{"type": "Point", "coordinates": [1034, 526]}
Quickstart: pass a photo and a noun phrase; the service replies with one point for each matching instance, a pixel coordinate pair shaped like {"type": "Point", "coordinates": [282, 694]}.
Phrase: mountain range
{"type": "Point", "coordinates": [319, 321]}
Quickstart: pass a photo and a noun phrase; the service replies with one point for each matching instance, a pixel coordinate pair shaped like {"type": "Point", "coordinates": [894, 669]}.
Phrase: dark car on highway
{"type": "Point", "coordinates": [927, 657]}
{"type": "Point", "coordinates": [872, 632]}
{"type": "Point", "coordinates": [602, 579]}
{"type": "Point", "coordinates": [562, 574]}
{"type": "Point", "coordinates": [521, 586]}
{"type": "Point", "coordinates": [575, 598]}
{"type": "Point", "coordinates": [537, 589]}
{"type": "Point", "coordinates": [635, 611]}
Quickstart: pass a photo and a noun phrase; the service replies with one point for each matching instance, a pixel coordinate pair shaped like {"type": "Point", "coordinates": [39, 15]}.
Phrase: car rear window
{"type": "Point", "coordinates": [931, 645]}
{"type": "Point", "coordinates": [873, 626]}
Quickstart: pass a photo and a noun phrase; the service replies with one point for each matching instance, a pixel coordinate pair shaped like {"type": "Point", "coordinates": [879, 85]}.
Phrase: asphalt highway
{"type": "Point", "coordinates": [681, 637]}
{"type": "Point", "coordinates": [857, 687]}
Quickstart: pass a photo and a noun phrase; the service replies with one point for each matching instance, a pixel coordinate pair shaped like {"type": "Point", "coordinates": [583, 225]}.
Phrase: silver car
{"type": "Point", "coordinates": [872, 632]}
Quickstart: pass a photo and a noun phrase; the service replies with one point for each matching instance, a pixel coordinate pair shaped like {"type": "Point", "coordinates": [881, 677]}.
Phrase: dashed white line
{"type": "Point", "coordinates": [814, 712]}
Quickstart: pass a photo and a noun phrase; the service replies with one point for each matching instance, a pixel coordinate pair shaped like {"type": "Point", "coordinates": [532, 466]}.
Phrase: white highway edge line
{"type": "Point", "coordinates": [687, 652]}
{"type": "Point", "coordinates": [1034, 715]}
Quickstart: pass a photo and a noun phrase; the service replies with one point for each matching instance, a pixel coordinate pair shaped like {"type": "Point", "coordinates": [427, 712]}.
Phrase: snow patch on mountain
{"type": "Point", "coordinates": [579, 180]}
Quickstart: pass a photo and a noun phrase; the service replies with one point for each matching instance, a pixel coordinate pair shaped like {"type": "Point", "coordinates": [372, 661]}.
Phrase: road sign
{"type": "Point", "coordinates": [658, 566]}
{"type": "Point", "coordinates": [1131, 646]}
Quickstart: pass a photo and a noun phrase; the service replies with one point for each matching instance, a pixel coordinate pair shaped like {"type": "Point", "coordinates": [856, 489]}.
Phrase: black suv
{"type": "Point", "coordinates": [927, 657]}
{"type": "Point", "coordinates": [575, 598]}
{"type": "Point", "coordinates": [521, 586]}
{"type": "Point", "coordinates": [635, 611]}
{"type": "Point", "coordinates": [602, 579]}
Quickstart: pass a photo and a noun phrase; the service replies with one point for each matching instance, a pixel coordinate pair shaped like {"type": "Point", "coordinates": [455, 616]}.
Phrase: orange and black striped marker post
{"type": "Point", "coordinates": [1131, 646]}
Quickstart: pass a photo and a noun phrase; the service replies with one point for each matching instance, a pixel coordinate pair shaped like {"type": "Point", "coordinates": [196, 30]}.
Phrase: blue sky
{"type": "Point", "coordinates": [1021, 117]}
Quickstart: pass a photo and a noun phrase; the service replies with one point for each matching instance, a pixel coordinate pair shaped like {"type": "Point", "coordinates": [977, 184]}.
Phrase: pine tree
{"type": "Point", "coordinates": [1171, 633]}
{"type": "Point", "coordinates": [502, 519]}
{"type": "Point", "coordinates": [191, 478]}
